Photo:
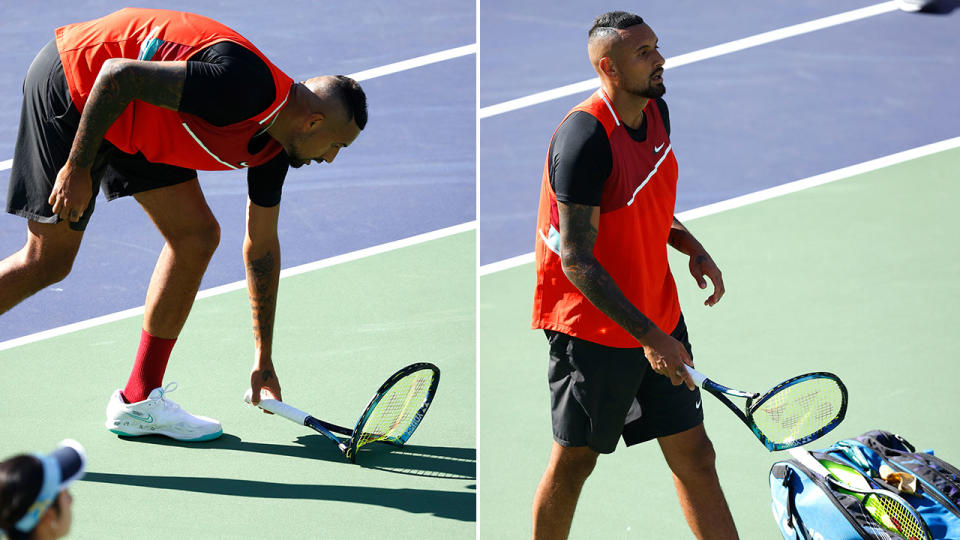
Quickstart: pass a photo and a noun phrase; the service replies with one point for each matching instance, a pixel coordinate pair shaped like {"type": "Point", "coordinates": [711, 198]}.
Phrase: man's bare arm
{"type": "Point", "coordinates": [578, 233]}
{"type": "Point", "coordinates": [261, 255]}
{"type": "Point", "coordinates": [579, 226]}
{"type": "Point", "coordinates": [701, 263]}
{"type": "Point", "coordinates": [119, 82]}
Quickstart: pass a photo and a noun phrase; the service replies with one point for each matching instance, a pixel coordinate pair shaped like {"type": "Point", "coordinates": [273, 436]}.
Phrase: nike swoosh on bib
{"type": "Point", "coordinates": [656, 149]}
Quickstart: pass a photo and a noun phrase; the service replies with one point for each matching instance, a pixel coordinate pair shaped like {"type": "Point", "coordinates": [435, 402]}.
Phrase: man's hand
{"type": "Point", "coordinates": [71, 192]}
{"type": "Point", "coordinates": [264, 385]}
{"type": "Point", "coordinates": [668, 357]}
{"type": "Point", "coordinates": [702, 265]}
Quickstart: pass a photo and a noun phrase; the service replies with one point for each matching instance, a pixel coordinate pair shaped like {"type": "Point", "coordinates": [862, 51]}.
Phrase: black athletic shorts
{"type": "Point", "coordinates": [48, 124]}
{"type": "Point", "coordinates": [599, 393]}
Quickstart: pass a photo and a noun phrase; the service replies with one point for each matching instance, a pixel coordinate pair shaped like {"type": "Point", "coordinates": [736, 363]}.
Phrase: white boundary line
{"type": "Point", "coordinates": [696, 56]}
{"type": "Point", "coordinates": [372, 73]}
{"type": "Point", "coordinates": [238, 285]}
{"type": "Point", "coordinates": [419, 61]}
{"type": "Point", "coordinates": [770, 193]}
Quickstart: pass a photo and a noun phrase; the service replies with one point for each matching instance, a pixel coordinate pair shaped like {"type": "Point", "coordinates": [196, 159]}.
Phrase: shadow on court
{"type": "Point", "coordinates": [430, 461]}
{"type": "Point", "coordinates": [941, 7]}
{"type": "Point", "coordinates": [445, 504]}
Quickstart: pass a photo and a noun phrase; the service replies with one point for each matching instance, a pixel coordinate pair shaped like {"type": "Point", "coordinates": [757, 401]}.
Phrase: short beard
{"type": "Point", "coordinates": [651, 91]}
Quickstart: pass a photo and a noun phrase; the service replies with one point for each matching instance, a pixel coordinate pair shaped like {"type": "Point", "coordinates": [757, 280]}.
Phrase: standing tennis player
{"type": "Point", "coordinates": [135, 103]}
{"type": "Point", "coordinates": [605, 296]}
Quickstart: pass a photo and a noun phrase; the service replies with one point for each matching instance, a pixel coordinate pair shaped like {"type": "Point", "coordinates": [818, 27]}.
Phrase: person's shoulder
{"type": "Point", "coordinates": [581, 126]}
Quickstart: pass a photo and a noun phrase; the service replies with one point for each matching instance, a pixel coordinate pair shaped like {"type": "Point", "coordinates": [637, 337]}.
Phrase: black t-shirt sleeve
{"type": "Point", "coordinates": [580, 160]}
{"type": "Point", "coordinates": [664, 113]}
{"type": "Point", "coordinates": [265, 182]}
{"type": "Point", "coordinates": [226, 83]}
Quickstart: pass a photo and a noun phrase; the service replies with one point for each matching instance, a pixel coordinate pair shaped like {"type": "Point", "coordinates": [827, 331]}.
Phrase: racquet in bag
{"type": "Point", "coordinates": [886, 508]}
{"type": "Point", "coordinates": [392, 415]}
{"type": "Point", "coordinates": [790, 414]}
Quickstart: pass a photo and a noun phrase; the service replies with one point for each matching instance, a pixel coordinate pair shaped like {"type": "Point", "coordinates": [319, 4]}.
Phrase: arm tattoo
{"type": "Point", "coordinates": [593, 280]}
{"type": "Point", "coordinates": [267, 375]}
{"type": "Point", "coordinates": [682, 240]}
{"type": "Point", "coordinates": [262, 283]}
{"type": "Point", "coordinates": [121, 81]}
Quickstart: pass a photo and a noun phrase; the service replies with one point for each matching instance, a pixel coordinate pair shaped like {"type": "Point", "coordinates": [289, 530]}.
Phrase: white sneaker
{"type": "Point", "coordinates": [158, 415]}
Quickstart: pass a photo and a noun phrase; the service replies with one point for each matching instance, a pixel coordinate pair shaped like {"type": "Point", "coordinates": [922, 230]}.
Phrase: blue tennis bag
{"type": "Point", "coordinates": [807, 507]}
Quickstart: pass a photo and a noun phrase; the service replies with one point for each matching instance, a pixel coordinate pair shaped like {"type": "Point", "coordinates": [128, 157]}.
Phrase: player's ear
{"type": "Point", "coordinates": [315, 120]}
{"type": "Point", "coordinates": [606, 66]}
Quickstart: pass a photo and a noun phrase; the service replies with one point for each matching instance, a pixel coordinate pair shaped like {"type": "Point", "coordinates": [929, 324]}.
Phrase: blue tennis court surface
{"type": "Point", "coordinates": [741, 122]}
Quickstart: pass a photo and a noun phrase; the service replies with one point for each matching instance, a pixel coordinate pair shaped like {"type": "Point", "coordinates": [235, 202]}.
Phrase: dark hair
{"type": "Point", "coordinates": [354, 101]}
{"type": "Point", "coordinates": [21, 478]}
{"type": "Point", "coordinates": [613, 20]}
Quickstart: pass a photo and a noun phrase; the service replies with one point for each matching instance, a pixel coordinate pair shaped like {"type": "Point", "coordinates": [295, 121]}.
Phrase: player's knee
{"type": "Point", "coordinates": [576, 466]}
{"type": "Point", "coordinates": [50, 266]}
{"type": "Point", "coordinates": [695, 460]}
{"type": "Point", "coordinates": [200, 241]}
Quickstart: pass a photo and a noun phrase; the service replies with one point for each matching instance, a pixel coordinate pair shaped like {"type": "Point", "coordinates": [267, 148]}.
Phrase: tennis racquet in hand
{"type": "Point", "coordinates": [392, 415]}
{"type": "Point", "coordinates": [790, 414]}
{"type": "Point", "coordinates": [886, 508]}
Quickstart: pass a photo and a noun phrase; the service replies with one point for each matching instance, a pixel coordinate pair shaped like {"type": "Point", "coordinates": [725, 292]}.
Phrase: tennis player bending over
{"type": "Point", "coordinates": [136, 102]}
{"type": "Point", "coordinates": [605, 296]}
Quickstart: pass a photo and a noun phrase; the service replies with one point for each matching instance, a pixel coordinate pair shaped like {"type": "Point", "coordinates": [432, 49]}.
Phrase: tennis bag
{"type": "Point", "coordinates": [807, 507]}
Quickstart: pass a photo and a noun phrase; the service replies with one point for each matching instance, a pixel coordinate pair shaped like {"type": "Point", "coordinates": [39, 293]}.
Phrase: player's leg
{"type": "Point", "coordinates": [591, 391]}
{"type": "Point", "coordinates": [46, 258]}
{"type": "Point", "coordinates": [48, 122]}
{"type": "Point", "coordinates": [559, 490]}
{"type": "Point", "coordinates": [674, 416]}
{"type": "Point", "coordinates": [691, 458]}
{"type": "Point", "coordinates": [192, 234]}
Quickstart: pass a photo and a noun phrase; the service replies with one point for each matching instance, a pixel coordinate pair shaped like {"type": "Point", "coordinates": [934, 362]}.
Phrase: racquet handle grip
{"type": "Point", "coordinates": [696, 376]}
{"type": "Point", "coordinates": [282, 409]}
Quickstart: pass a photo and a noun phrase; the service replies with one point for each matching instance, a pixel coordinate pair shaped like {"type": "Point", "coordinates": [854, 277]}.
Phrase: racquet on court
{"type": "Point", "coordinates": [886, 508]}
{"type": "Point", "coordinates": [790, 414]}
{"type": "Point", "coordinates": [392, 415]}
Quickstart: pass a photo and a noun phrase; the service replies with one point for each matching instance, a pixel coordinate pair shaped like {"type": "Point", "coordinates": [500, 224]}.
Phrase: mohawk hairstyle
{"type": "Point", "coordinates": [354, 101]}
{"type": "Point", "coordinates": [612, 21]}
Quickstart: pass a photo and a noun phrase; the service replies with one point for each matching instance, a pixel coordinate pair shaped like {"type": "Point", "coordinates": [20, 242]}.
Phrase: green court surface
{"type": "Point", "coordinates": [858, 277]}
{"type": "Point", "coordinates": [340, 332]}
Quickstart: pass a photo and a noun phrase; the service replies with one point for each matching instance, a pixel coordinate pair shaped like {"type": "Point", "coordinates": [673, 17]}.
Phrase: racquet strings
{"type": "Point", "coordinates": [799, 410]}
{"type": "Point", "coordinates": [892, 514]}
{"type": "Point", "coordinates": [398, 409]}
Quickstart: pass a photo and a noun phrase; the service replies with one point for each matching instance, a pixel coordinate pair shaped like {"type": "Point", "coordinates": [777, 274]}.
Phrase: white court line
{"type": "Point", "coordinates": [388, 69]}
{"type": "Point", "coordinates": [770, 193]}
{"type": "Point", "coordinates": [696, 56]}
{"type": "Point", "coordinates": [238, 285]}
{"type": "Point", "coordinates": [419, 61]}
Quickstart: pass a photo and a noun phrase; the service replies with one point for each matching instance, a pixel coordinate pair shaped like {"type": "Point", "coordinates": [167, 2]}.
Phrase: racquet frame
{"type": "Point", "coordinates": [350, 444]}
{"type": "Point", "coordinates": [755, 400]}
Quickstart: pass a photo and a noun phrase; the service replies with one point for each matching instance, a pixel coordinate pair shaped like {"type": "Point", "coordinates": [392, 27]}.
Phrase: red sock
{"type": "Point", "coordinates": [148, 368]}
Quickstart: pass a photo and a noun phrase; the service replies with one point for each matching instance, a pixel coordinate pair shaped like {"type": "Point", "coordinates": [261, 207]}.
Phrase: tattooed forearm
{"type": "Point", "coordinates": [262, 277]}
{"type": "Point", "coordinates": [579, 233]}
{"type": "Point", "coordinates": [119, 82]}
{"type": "Point", "coordinates": [682, 240]}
